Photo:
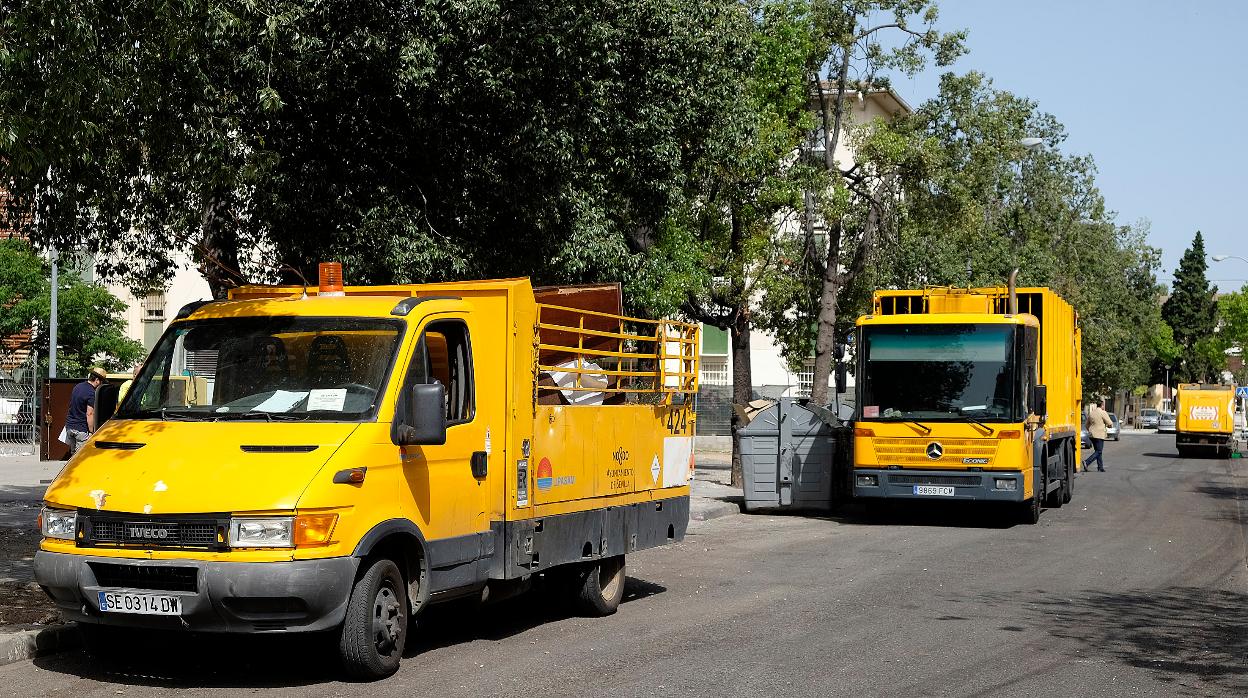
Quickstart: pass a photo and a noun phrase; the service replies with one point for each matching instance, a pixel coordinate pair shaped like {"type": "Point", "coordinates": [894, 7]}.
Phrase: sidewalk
{"type": "Point", "coordinates": [710, 495]}
{"type": "Point", "coordinates": [29, 625]}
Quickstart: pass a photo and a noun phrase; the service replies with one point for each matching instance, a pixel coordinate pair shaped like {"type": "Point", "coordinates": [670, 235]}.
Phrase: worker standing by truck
{"type": "Point", "coordinates": [1099, 424]}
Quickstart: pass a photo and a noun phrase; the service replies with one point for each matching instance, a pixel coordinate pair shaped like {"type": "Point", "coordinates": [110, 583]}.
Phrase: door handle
{"type": "Point", "coordinates": [480, 464]}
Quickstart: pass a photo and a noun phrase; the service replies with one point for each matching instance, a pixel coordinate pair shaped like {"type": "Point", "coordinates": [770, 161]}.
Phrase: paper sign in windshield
{"type": "Point", "coordinates": [327, 399]}
{"type": "Point", "coordinates": [281, 401]}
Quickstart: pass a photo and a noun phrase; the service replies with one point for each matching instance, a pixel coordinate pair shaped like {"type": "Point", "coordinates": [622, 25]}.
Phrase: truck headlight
{"type": "Point", "coordinates": [274, 532]}
{"type": "Point", "coordinates": [1005, 484]}
{"type": "Point", "coordinates": [868, 481]}
{"type": "Point", "coordinates": [58, 523]}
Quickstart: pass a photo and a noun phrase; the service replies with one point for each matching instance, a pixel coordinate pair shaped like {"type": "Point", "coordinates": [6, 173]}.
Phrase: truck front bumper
{"type": "Point", "coordinates": [993, 486]}
{"type": "Point", "coordinates": [250, 597]}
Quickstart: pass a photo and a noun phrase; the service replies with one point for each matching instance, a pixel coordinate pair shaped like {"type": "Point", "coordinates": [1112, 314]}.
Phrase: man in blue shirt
{"type": "Point", "coordinates": [80, 420]}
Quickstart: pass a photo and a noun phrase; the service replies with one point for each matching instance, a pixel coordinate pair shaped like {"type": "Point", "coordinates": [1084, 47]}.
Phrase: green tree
{"type": "Point", "coordinates": [412, 139]}
{"type": "Point", "coordinates": [749, 182]}
{"type": "Point", "coordinates": [1233, 326]}
{"type": "Point", "coordinates": [1191, 313]}
{"type": "Point", "coordinates": [857, 206]}
{"type": "Point", "coordinates": [90, 321]}
{"type": "Point", "coordinates": [977, 204]}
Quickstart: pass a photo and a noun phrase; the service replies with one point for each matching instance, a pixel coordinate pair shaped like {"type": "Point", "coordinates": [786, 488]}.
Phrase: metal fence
{"type": "Point", "coordinates": [19, 409]}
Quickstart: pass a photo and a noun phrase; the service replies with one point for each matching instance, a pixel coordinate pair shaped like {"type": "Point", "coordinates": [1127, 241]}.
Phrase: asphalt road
{"type": "Point", "coordinates": [1137, 587]}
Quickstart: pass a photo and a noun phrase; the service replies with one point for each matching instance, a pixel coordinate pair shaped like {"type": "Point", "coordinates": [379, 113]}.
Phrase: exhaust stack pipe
{"type": "Point", "coordinates": [1013, 292]}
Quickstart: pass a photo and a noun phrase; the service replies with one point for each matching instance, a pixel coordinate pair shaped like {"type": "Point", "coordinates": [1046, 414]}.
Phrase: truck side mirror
{"type": "Point", "coordinates": [1039, 402]}
{"type": "Point", "coordinates": [422, 418]}
{"type": "Point", "coordinates": [105, 403]}
{"type": "Point", "coordinates": [841, 377]}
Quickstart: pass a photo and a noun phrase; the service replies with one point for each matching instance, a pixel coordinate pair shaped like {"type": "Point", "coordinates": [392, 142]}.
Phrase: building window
{"type": "Point", "coordinates": [714, 371]}
{"type": "Point", "coordinates": [154, 307]}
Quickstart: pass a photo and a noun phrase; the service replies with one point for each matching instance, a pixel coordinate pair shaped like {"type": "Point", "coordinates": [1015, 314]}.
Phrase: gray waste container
{"type": "Point", "coordinates": [789, 458]}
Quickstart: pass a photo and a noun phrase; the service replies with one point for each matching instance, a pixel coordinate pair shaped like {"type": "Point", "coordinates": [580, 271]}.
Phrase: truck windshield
{"type": "Point", "coordinates": [956, 372]}
{"type": "Point", "coordinates": [267, 368]}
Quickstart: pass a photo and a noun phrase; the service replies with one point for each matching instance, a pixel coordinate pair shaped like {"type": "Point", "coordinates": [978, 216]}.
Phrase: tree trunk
{"type": "Point", "coordinates": [826, 335]}
{"type": "Point", "coordinates": [217, 251]}
{"type": "Point", "coordinates": [742, 388]}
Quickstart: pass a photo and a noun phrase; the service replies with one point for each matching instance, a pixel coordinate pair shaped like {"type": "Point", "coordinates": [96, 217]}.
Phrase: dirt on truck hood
{"type": "Point", "coordinates": [173, 467]}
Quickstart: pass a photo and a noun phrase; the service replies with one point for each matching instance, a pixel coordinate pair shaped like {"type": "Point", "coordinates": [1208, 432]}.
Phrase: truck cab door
{"type": "Point", "coordinates": [447, 490]}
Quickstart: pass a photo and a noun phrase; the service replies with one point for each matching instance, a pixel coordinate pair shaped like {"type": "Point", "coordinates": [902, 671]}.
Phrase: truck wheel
{"type": "Point", "coordinates": [1029, 511]}
{"type": "Point", "coordinates": [1068, 486]}
{"type": "Point", "coordinates": [600, 586]}
{"type": "Point", "coordinates": [375, 629]}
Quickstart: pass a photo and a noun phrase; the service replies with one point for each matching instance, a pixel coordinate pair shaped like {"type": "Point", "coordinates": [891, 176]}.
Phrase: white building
{"type": "Point", "coordinates": [148, 316]}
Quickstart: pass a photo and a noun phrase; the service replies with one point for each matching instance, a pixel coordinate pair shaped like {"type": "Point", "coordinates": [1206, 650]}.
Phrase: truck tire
{"type": "Point", "coordinates": [1068, 487]}
{"type": "Point", "coordinates": [600, 586]}
{"type": "Point", "coordinates": [1056, 498]}
{"type": "Point", "coordinates": [374, 631]}
{"type": "Point", "coordinates": [1029, 511]}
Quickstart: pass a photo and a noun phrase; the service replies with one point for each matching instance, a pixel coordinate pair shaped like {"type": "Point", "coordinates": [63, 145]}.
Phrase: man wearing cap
{"type": "Point", "coordinates": [80, 421]}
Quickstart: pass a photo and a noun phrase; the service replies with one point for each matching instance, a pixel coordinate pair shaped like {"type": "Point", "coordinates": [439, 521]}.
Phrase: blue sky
{"type": "Point", "coordinates": [1156, 92]}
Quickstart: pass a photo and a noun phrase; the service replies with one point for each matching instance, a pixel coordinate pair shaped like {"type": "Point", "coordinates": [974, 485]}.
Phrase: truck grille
{"type": "Point", "coordinates": [901, 451]}
{"type": "Point", "coordinates": [124, 531]}
{"type": "Point", "coordinates": [153, 577]}
{"type": "Point", "coordinates": [956, 480]}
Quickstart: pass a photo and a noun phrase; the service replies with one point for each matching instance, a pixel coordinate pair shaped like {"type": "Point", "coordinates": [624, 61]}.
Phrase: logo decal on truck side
{"type": "Point", "coordinates": [545, 475]}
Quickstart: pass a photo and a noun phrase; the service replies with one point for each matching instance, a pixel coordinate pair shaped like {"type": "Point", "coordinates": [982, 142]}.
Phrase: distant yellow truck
{"type": "Point", "coordinates": [968, 394]}
{"type": "Point", "coordinates": [1205, 419]}
{"type": "Point", "coordinates": [359, 453]}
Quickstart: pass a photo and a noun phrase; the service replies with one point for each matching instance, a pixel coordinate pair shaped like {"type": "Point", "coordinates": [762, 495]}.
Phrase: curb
{"type": "Point", "coordinates": [714, 509]}
{"type": "Point", "coordinates": [28, 644]}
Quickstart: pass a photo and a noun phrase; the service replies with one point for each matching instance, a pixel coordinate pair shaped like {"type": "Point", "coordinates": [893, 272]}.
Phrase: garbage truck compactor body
{"type": "Point", "coordinates": [968, 394]}
{"type": "Point", "coordinates": [360, 453]}
{"type": "Point", "coordinates": [1205, 419]}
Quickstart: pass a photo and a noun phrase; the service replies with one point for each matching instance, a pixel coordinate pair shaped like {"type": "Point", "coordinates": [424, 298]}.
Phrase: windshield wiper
{"type": "Point", "coordinates": [926, 429]}
{"type": "Point", "coordinates": [167, 416]}
{"type": "Point", "coordinates": [976, 422]}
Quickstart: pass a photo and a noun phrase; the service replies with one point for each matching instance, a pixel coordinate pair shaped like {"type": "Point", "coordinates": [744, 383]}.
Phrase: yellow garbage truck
{"type": "Point", "coordinates": [968, 394]}
{"type": "Point", "coordinates": [360, 453]}
{"type": "Point", "coordinates": [1204, 419]}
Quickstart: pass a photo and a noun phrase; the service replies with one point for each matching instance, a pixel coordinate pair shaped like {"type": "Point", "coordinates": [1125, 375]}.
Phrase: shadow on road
{"type": "Point", "coordinates": [184, 660]}
{"type": "Point", "coordinates": [960, 514]}
{"type": "Point", "coordinates": [1193, 638]}
{"type": "Point", "coordinates": [1216, 491]}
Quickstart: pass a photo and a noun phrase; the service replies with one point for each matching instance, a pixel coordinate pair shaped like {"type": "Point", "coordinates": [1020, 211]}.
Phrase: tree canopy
{"type": "Point", "coordinates": [413, 140]}
{"type": "Point", "coordinates": [90, 324]}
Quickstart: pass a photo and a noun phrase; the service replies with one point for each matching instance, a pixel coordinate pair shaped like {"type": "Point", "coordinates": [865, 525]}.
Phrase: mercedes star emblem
{"type": "Point", "coordinates": [935, 450]}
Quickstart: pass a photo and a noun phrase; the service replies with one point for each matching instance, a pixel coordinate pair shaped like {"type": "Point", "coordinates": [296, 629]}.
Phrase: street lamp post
{"type": "Point", "coordinates": [52, 322]}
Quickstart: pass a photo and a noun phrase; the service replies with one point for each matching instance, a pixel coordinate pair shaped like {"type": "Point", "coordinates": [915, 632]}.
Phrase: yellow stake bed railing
{"type": "Point", "coordinates": [602, 356]}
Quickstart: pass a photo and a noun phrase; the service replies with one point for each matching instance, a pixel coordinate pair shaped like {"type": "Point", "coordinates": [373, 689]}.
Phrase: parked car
{"type": "Point", "coordinates": [1084, 439]}
{"type": "Point", "coordinates": [1111, 433]}
{"type": "Point", "coordinates": [1149, 418]}
{"type": "Point", "coordinates": [1166, 422]}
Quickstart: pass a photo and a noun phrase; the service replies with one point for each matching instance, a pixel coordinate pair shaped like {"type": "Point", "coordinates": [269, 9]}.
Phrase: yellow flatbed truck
{"type": "Point", "coordinates": [1205, 419]}
{"type": "Point", "coordinates": [363, 452]}
{"type": "Point", "coordinates": [968, 394]}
